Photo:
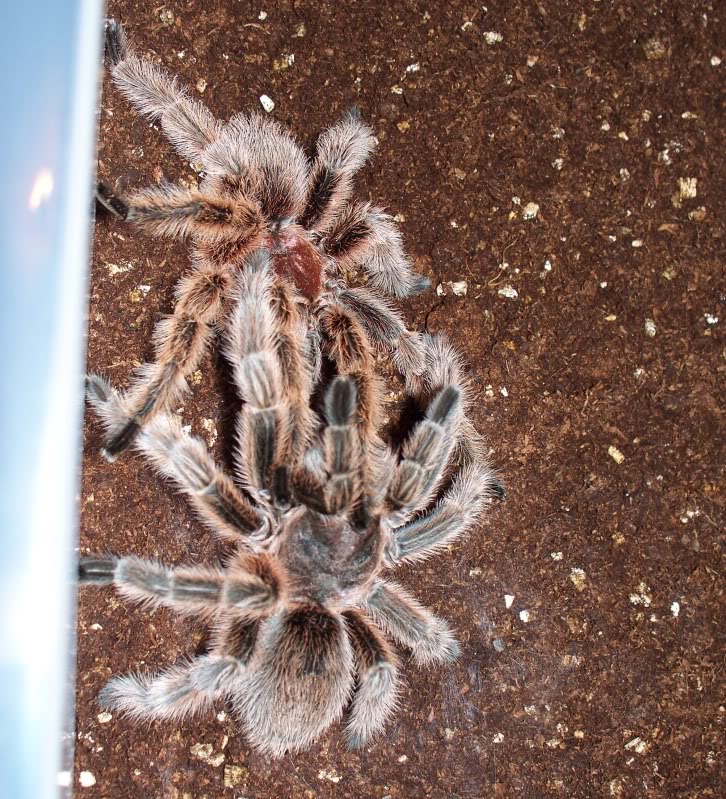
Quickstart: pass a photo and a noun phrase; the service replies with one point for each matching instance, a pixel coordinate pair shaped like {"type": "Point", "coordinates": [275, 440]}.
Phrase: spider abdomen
{"type": "Point", "coordinates": [298, 262]}
{"type": "Point", "coordinates": [302, 681]}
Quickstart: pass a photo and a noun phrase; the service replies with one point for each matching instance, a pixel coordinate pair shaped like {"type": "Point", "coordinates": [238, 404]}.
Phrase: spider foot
{"type": "Point", "coordinates": [115, 41]}
{"type": "Point", "coordinates": [111, 202]}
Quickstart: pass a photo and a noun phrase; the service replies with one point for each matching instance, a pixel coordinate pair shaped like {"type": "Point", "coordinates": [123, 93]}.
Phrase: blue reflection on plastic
{"type": "Point", "coordinates": [49, 69]}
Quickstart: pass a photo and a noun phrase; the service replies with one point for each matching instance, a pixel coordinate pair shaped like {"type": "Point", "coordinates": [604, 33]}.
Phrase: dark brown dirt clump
{"type": "Point", "coordinates": [594, 333]}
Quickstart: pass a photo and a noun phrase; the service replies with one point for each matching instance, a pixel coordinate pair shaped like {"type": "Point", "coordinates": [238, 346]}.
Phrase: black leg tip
{"type": "Point", "coordinates": [341, 401]}
{"type": "Point", "coordinates": [444, 404]}
{"type": "Point", "coordinates": [97, 389]}
{"type": "Point", "coordinates": [361, 517]}
{"type": "Point", "coordinates": [115, 41]}
{"type": "Point", "coordinates": [121, 441]}
{"type": "Point", "coordinates": [111, 202]}
{"type": "Point", "coordinates": [98, 571]}
{"type": "Point", "coordinates": [498, 490]}
{"type": "Point", "coordinates": [281, 488]}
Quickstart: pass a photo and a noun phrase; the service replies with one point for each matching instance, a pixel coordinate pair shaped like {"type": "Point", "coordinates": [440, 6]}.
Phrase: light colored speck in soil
{"type": "Point", "coordinates": [119, 269]}
{"type": "Point", "coordinates": [202, 751]}
{"type": "Point", "coordinates": [642, 597]}
{"type": "Point", "coordinates": [578, 578]}
{"type": "Point", "coordinates": [687, 188]}
{"type": "Point", "coordinates": [616, 454]}
{"type": "Point", "coordinates": [637, 745]}
{"type": "Point", "coordinates": [211, 428]}
{"type": "Point", "coordinates": [267, 103]}
{"type": "Point", "coordinates": [86, 779]}
{"type": "Point", "coordinates": [234, 775]}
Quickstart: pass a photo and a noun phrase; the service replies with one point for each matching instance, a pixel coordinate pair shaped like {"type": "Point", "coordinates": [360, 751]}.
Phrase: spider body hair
{"type": "Point", "coordinates": [302, 610]}
{"type": "Point", "coordinates": [319, 507]}
{"type": "Point", "coordinates": [258, 192]}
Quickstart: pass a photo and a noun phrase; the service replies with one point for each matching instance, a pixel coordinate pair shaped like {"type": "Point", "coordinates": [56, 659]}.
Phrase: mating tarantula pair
{"type": "Point", "coordinates": [321, 505]}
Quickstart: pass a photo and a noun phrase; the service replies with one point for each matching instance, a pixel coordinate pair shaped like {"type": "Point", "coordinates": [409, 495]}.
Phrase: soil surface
{"type": "Point", "coordinates": [557, 169]}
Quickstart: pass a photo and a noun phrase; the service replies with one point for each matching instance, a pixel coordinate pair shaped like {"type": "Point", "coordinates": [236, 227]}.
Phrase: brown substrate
{"type": "Point", "coordinates": [604, 675]}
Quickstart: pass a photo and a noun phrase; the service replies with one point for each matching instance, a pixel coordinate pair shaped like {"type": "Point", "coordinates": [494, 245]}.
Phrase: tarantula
{"type": "Point", "coordinates": [259, 190]}
{"type": "Point", "coordinates": [301, 611]}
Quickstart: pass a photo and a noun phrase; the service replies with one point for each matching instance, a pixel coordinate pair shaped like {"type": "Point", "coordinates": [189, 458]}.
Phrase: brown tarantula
{"type": "Point", "coordinates": [258, 189]}
{"type": "Point", "coordinates": [301, 608]}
